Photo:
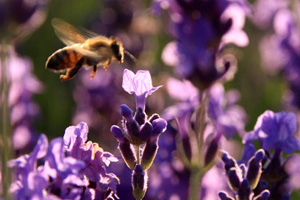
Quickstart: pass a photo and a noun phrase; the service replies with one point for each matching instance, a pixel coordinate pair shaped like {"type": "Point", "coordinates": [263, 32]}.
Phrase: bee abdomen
{"type": "Point", "coordinates": [63, 59]}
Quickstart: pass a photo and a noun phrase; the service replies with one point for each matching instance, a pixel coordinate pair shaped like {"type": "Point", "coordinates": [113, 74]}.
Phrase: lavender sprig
{"type": "Point", "coordinates": [138, 137]}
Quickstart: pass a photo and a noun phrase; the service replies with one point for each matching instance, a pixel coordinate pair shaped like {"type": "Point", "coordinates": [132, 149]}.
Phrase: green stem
{"type": "Point", "coordinates": [195, 184]}
{"type": "Point", "coordinates": [5, 125]}
{"type": "Point", "coordinates": [138, 154]}
{"type": "Point", "coordinates": [197, 170]}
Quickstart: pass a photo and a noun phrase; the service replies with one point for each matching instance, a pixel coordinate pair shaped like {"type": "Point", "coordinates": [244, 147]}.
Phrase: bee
{"type": "Point", "coordinates": [89, 50]}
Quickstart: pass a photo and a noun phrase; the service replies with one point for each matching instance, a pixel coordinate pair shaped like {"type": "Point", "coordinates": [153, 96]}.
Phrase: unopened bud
{"type": "Point", "coordinates": [127, 154]}
{"type": "Point", "coordinates": [233, 179]}
{"type": "Point", "coordinates": [254, 168]}
{"type": "Point", "coordinates": [225, 196]}
{"type": "Point", "coordinates": [211, 152]}
{"type": "Point", "coordinates": [139, 182]}
{"type": "Point", "coordinates": [244, 190]}
{"type": "Point", "coordinates": [118, 133]}
{"type": "Point", "coordinates": [140, 116]}
{"type": "Point", "coordinates": [126, 112]}
{"type": "Point", "coordinates": [149, 154]}
{"type": "Point", "coordinates": [145, 132]}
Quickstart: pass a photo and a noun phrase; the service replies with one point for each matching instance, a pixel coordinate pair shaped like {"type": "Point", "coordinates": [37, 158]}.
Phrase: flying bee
{"type": "Point", "coordinates": [89, 50]}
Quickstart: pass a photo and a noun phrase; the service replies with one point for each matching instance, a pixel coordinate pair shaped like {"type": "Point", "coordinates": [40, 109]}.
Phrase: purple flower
{"type": "Point", "coordinates": [71, 169]}
{"type": "Point", "coordinates": [22, 86]}
{"type": "Point", "coordinates": [31, 181]}
{"type": "Point", "coordinates": [92, 155]}
{"type": "Point", "coordinates": [274, 131]}
{"type": "Point", "coordinates": [242, 179]}
{"type": "Point", "coordinates": [139, 84]}
{"type": "Point", "coordinates": [219, 23]}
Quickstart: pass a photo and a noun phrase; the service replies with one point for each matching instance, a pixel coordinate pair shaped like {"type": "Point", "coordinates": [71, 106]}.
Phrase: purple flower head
{"type": "Point", "coordinates": [31, 181]}
{"type": "Point", "coordinates": [242, 179]}
{"type": "Point", "coordinates": [136, 132]}
{"type": "Point", "coordinates": [71, 169]}
{"type": "Point", "coordinates": [218, 22]}
{"type": "Point", "coordinates": [274, 131]}
{"type": "Point", "coordinates": [23, 85]}
{"type": "Point", "coordinates": [96, 160]}
{"type": "Point", "coordinates": [139, 84]}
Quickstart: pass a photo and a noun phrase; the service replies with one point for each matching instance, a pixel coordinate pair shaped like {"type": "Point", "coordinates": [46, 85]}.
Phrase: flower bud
{"type": "Point", "coordinates": [145, 132]}
{"type": "Point", "coordinates": [211, 151]}
{"type": "Point", "coordinates": [127, 154]}
{"type": "Point", "coordinates": [233, 179]}
{"type": "Point", "coordinates": [126, 112]}
{"type": "Point", "coordinates": [139, 182]}
{"type": "Point", "coordinates": [118, 133]}
{"type": "Point", "coordinates": [224, 196]}
{"type": "Point", "coordinates": [140, 116]}
{"type": "Point", "coordinates": [134, 132]}
{"type": "Point", "coordinates": [254, 169]}
{"type": "Point", "coordinates": [264, 195]}
{"type": "Point", "coordinates": [159, 126]}
{"type": "Point", "coordinates": [245, 190]}
{"type": "Point", "coordinates": [149, 154]}
{"type": "Point", "coordinates": [228, 161]}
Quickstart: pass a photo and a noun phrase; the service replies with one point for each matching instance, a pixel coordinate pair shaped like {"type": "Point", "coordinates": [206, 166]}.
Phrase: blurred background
{"type": "Point", "coordinates": [144, 34]}
{"type": "Point", "coordinates": [259, 90]}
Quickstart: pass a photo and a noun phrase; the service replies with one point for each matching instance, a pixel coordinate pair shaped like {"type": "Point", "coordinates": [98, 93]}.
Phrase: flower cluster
{"type": "Point", "coordinates": [243, 179]}
{"type": "Point", "coordinates": [202, 30]}
{"type": "Point", "coordinates": [23, 85]}
{"type": "Point", "coordinates": [265, 175]}
{"type": "Point", "coordinates": [138, 130]}
{"type": "Point", "coordinates": [71, 168]}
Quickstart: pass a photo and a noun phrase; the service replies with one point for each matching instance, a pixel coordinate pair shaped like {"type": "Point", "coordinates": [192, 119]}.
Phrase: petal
{"type": "Point", "coordinates": [290, 145]}
{"type": "Point", "coordinates": [143, 82]}
{"type": "Point", "coordinates": [128, 81]}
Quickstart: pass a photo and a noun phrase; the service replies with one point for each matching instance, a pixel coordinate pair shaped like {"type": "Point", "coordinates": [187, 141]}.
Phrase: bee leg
{"type": "Point", "coordinates": [93, 73]}
{"type": "Point", "coordinates": [107, 65]}
{"type": "Point", "coordinates": [73, 71]}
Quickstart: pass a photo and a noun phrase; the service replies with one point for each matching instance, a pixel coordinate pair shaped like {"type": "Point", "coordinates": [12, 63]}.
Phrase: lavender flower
{"type": "Point", "coordinates": [139, 84]}
{"type": "Point", "coordinates": [242, 179]}
{"type": "Point", "coordinates": [274, 131]}
{"type": "Point", "coordinates": [138, 131]}
{"type": "Point", "coordinates": [71, 169]}
{"type": "Point", "coordinates": [23, 85]}
{"type": "Point", "coordinates": [218, 23]}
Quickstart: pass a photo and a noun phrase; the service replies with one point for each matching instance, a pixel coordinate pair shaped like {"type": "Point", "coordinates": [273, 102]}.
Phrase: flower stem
{"type": "Point", "coordinates": [138, 154]}
{"type": "Point", "coordinates": [5, 125]}
{"type": "Point", "coordinates": [195, 184]}
{"type": "Point", "coordinates": [197, 170]}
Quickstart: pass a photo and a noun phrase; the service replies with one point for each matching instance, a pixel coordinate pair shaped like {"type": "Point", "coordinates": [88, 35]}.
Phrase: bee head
{"type": "Point", "coordinates": [118, 50]}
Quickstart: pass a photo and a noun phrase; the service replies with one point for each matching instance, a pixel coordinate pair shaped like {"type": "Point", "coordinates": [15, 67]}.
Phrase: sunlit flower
{"type": "Point", "coordinates": [139, 84]}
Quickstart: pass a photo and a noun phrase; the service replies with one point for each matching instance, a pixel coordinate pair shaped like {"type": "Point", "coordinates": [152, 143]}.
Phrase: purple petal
{"type": "Point", "coordinates": [72, 132]}
{"type": "Point", "coordinates": [128, 79]}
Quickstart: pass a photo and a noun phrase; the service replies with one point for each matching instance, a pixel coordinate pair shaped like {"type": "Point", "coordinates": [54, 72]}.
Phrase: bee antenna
{"type": "Point", "coordinates": [132, 58]}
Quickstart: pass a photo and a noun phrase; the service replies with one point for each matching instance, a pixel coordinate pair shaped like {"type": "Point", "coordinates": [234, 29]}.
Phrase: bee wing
{"type": "Point", "coordinates": [68, 34]}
